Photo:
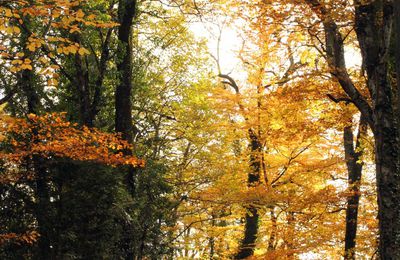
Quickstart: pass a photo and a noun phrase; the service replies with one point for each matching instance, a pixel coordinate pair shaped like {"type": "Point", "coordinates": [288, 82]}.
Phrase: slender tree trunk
{"type": "Point", "coordinates": [123, 103]}
{"type": "Point", "coordinates": [43, 211]}
{"type": "Point", "coordinates": [248, 242]}
{"type": "Point", "coordinates": [290, 219]}
{"type": "Point", "coordinates": [354, 168]}
{"type": "Point", "coordinates": [272, 235]}
{"type": "Point", "coordinates": [83, 87]}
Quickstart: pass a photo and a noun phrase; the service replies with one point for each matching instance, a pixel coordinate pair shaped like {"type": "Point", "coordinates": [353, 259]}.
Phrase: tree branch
{"type": "Point", "coordinates": [335, 57]}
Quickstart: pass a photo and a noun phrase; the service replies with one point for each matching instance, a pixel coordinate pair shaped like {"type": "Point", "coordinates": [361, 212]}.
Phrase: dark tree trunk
{"type": "Point", "coordinates": [89, 96]}
{"type": "Point", "coordinates": [82, 83]}
{"type": "Point", "coordinates": [373, 27]}
{"type": "Point", "coordinates": [26, 81]}
{"type": "Point", "coordinates": [43, 210]}
{"type": "Point", "coordinates": [123, 103]}
{"type": "Point", "coordinates": [42, 188]}
{"type": "Point", "coordinates": [396, 16]}
{"type": "Point", "coordinates": [373, 24]}
{"type": "Point", "coordinates": [248, 242]}
{"type": "Point", "coordinates": [98, 88]}
{"type": "Point", "coordinates": [354, 168]}
{"type": "Point", "coordinates": [272, 236]}
{"type": "Point", "coordinates": [123, 106]}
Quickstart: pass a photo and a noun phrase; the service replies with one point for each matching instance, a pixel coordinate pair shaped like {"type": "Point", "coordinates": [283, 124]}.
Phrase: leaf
{"type": "Point", "coordinates": [80, 13]}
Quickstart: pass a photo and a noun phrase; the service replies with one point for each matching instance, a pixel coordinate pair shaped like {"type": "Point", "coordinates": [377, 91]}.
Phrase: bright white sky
{"type": "Point", "coordinates": [231, 43]}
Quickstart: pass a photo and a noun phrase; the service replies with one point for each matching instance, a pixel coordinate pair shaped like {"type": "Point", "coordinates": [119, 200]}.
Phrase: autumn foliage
{"type": "Point", "coordinates": [198, 129]}
{"type": "Point", "coordinates": [51, 136]}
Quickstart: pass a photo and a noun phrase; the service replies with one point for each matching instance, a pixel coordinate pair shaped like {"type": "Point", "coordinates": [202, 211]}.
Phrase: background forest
{"type": "Point", "coordinates": [194, 129]}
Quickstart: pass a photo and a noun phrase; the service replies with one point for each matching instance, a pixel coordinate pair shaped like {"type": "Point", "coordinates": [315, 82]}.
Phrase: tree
{"type": "Point", "coordinates": [354, 164]}
{"type": "Point", "coordinates": [373, 22]}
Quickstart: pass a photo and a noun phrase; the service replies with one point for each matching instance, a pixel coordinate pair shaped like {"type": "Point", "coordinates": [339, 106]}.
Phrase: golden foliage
{"type": "Point", "coordinates": [51, 136]}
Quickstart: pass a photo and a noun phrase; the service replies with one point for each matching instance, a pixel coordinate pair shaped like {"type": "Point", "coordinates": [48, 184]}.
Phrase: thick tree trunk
{"type": "Point", "coordinates": [388, 182]}
{"type": "Point", "coordinates": [396, 34]}
{"type": "Point", "coordinates": [354, 168]}
{"type": "Point", "coordinates": [123, 92]}
{"type": "Point", "coordinates": [123, 106]}
{"type": "Point", "coordinates": [248, 242]}
{"type": "Point", "coordinates": [373, 27]}
{"type": "Point", "coordinates": [123, 103]}
{"type": "Point", "coordinates": [373, 23]}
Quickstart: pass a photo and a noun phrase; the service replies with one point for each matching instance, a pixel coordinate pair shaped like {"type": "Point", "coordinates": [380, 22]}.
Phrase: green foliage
{"type": "Point", "coordinates": [90, 211]}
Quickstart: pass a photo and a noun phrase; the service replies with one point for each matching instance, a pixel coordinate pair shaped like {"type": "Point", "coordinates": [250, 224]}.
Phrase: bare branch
{"type": "Point", "coordinates": [340, 99]}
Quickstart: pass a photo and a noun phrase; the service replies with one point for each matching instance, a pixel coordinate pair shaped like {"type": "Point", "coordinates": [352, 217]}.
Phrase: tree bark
{"type": "Point", "coordinates": [396, 16]}
{"type": "Point", "coordinates": [123, 106]}
{"type": "Point", "coordinates": [248, 242]}
{"type": "Point", "coordinates": [373, 28]}
{"type": "Point", "coordinates": [290, 218]}
{"type": "Point", "coordinates": [83, 87]}
{"type": "Point", "coordinates": [272, 236]}
{"type": "Point", "coordinates": [354, 168]}
{"type": "Point", "coordinates": [373, 22]}
{"type": "Point", "coordinates": [123, 92]}
{"type": "Point", "coordinates": [123, 102]}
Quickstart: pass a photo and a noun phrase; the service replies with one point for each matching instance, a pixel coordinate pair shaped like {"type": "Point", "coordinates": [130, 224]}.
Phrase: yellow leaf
{"type": "Point", "coordinates": [26, 66]}
{"type": "Point", "coordinates": [80, 13]}
{"type": "Point", "coordinates": [42, 60]}
{"type": "Point", "coordinates": [31, 47]}
{"type": "Point", "coordinates": [8, 13]}
{"type": "Point", "coordinates": [16, 29]}
{"type": "Point", "coordinates": [83, 51]}
{"type": "Point", "coordinates": [14, 62]}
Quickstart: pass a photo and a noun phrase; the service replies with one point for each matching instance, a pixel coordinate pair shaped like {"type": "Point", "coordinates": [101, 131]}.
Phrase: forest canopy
{"type": "Point", "coordinates": [194, 129]}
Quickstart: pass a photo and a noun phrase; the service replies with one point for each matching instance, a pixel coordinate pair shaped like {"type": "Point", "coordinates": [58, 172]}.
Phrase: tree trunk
{"type": "Point", "coordinates": [290, 219]}
{"type": "Point", "coordinates": [82, 83]}
{"type": "Point", "coordinates": [123, 103]}
{"type": "Point", "coordinates": [123, 92]}
{"type": "Point", "coordinates": [354, 168]}
{"type": "Point", "coordinates": [272, 236]}
{"type": "Point", "coordinates": [396, 34]}
{"type": "Point", "coordinates": [123, 106]}
{"type": "Point", "coordinates": [373, 28]}
{"type": "Point", "coordinates": [373, 24]}
{"type": "Point", "coordinates": [248, 242]}
{"type": "Point", "coordinates": [26, 80]}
